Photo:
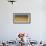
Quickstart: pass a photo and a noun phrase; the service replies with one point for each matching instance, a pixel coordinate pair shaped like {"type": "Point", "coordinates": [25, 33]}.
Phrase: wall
{"type": "Point", "coordinates": [36, 29]}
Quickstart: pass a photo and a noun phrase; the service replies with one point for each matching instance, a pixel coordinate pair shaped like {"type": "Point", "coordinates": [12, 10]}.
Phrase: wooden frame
{"type": "Point", "coordinates": [21, 18]}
